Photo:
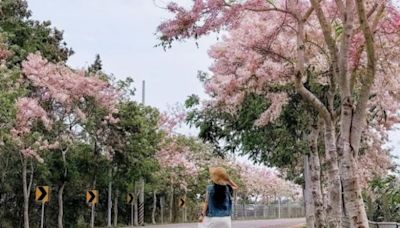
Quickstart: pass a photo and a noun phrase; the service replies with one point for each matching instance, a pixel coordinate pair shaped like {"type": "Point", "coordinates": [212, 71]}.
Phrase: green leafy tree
{"type": "Point", "coordinates": [383, 199]}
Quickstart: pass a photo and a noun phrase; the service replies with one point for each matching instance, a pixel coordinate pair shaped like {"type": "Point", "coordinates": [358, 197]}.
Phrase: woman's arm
{"type": "Point", "coordinates": [233, 184]}
{"type": "Point", "coordinates": [204, 210]}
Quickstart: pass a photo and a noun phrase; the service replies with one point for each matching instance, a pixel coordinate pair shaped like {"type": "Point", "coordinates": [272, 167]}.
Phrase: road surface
{"type": "Point", "coordinates": [273, 223]}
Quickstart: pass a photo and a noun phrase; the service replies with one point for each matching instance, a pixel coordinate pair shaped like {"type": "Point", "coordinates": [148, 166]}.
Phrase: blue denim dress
{"type": "Point", "coordinates": [223, 207]}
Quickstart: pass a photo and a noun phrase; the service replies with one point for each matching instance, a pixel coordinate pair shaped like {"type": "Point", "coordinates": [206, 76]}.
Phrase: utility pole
{"type": "Point", "coordinates": [143, 91]}
{"type": "Point", "coordinates": [141, 181]}
{"type": "Point", "coordinates": [141, 202]}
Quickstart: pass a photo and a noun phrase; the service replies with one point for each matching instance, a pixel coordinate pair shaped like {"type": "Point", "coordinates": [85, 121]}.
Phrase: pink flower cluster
{"type": "Point", "coordinates": [278, 100]}
{"type": "Point", "coordinates": [65, 89]}
{"type": "Point", "coordinates": [28, 112]}
{"type": "Point", "coordinates": [66, 86]}
{"type": "Point", "coordinates": [252, 58]}
{"type": "Point", "coordinates": [204, 16]}
{"type": "Point", "coordinates": [4, 53]}
{"type": "Point", "coordinates": [173, 155]}
{"type": "Point", "coordinates": [265, 183]}
{"type": "Point", "coordinates": [169, 121]}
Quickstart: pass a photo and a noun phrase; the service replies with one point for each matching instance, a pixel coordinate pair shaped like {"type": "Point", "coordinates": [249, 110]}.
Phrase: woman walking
{"type": "Point", "coordinates": [217, 209]}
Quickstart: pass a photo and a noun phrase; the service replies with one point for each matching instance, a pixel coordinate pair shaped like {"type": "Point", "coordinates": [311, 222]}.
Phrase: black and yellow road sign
{"type": "Point", "coordinates": [182, 202]}
{"type": "Point", "coordinates": [130, 198]}
{"type": "Point", "coordinates": [42, 194]}
{"type": "Point", "coordinates": [92, 196]}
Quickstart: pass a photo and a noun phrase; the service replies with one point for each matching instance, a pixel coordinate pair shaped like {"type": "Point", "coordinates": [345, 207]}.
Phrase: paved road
{"type": "Point", "coordinates": [273, 223]}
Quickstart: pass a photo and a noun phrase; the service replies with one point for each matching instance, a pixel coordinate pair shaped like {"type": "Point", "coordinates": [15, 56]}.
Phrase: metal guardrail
{"type": "Point", "coordinates": [384, 224]}
{"type": "Point", "coordinates": [372, 224]}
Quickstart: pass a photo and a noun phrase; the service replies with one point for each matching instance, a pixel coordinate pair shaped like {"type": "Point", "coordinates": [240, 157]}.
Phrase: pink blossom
{"type": "Point", "coordinates": [264, 182]}
{"type": "Point", "coordinates": [65, 89]}
{"type": "Point", "coordinates": [65, 85]}
{"type": "Point", "coordinates": [28, 111]}
{"type": "Point", "coordinates": [274, 110]}
{"type": "Point", "coordinates": [4, 52]}
{"type": "Point", "coordinates": [29, 152]}
{"type": "Point", "coordinates": [170, 120]}
{"type": "Point", "coordinates": [173, 155]}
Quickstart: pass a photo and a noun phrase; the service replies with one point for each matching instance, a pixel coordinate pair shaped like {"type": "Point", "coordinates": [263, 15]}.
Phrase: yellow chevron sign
{"type": "Point", "coordinates": [92, 196]}
{"type": "Point", "coordinates": [42, 194]}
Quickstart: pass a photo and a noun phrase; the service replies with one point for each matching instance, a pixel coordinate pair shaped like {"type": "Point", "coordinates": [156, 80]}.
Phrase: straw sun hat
{"type": "Point", "coordinates": [219, 176]}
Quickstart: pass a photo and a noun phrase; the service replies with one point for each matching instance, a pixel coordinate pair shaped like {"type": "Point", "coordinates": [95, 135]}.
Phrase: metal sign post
{"type": "Point", "coordinates": [182, 205]}
{"type": "Point", "coordinates": [130, 199]}
{"type": "Point", "coordinates": [92, 197]}
{"type": "Point", "coordinates": [42, 217]}
{"type": "Point", "coordinates": [42, 196]}
{"type": "Point", "coordinates": [92, 217]}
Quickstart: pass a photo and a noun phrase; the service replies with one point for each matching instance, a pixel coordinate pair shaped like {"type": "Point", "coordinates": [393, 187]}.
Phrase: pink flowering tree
{"type": "Point", "coordinates": [57, 95]}
{"type": "Point", "coordinates": [175, 156]}
{"type": "Point", "coordinates": [263, 183]}
{"type": "Point", "coordinates": [349, 46]}
{"type": "Point", "coordinates": [375, 160]}
{"type": "Point", "coordinates": [175, 159]}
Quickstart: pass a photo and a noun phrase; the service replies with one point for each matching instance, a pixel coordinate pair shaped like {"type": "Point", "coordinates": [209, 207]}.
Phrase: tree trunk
{"type": "Point", "coordinates": [162, 203]}
{"type": "Point", "coordinates": [60, 205]}
{"type": "Point", "coordinates": [25, 192]}
{"type": "Point", "coordinates": [244, 209]}
{"type": "Point", "coordinates": [324, 182]}
{"type": "Point", "coordinates": [279, 207]}
{"type": "Point", "coordinates": [109, 205]}
{"type": "Point", "coordinates": [352, 123]}
{"type": "Point", "coordinates": [171, 203]}
{"type": "Point", "coordinates": [315, 178]}
{"type": "Point", "coordinates": [349, 172]}
{"type": "Point", "coordinates": [61, 193]}
{"type": "Point", "coordinates": [116, 208]}
{"type": "Point", "coordinates": [255, 207]}
{"type": "Point", "coordinates": [135, 207]}
{"type": "Point", "coordinates": [185, 208]}
{"type": "Point", "coordinates": [131, 221]}
{"type": "Point", "coordinates": [135, 219]}
{"type": "Point", "coordinates": [334, 204]}
{"type": "Point", "coordinates": [153, 214]}
{"type": "Point", "coordinates": [309, 204]}
{"type": "Point", "coordinates": [264, 212]}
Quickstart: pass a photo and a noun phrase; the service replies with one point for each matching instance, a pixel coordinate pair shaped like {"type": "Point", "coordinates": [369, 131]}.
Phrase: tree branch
{"type": "Point", "coordinates": [347, 18]}
{"type": "Point", "coordinates": [304, 92]}
{"type": "Point", "coordinates": [308, 13]}
{"type": "Point", "coordinates": [327, 32]}
{"type": "Point", "coordinates": [340, 6]}
{"type": "Point", "coordinates": [272, 9]}
{"type": "Point", "coordinates": [310, 98]}
{"type": "Point", "coordinates": [30, 180]}
{"type": "Point", "coordinates": [269, 52]}
{"type": "Point", "coordinates": [361, 48]}
{"type": "Point", "coordinates": [361, 109]}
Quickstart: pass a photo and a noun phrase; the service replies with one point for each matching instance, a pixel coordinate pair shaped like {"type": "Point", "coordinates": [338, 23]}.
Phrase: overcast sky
{"type": "Point", "coordinates": [122, 32]}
